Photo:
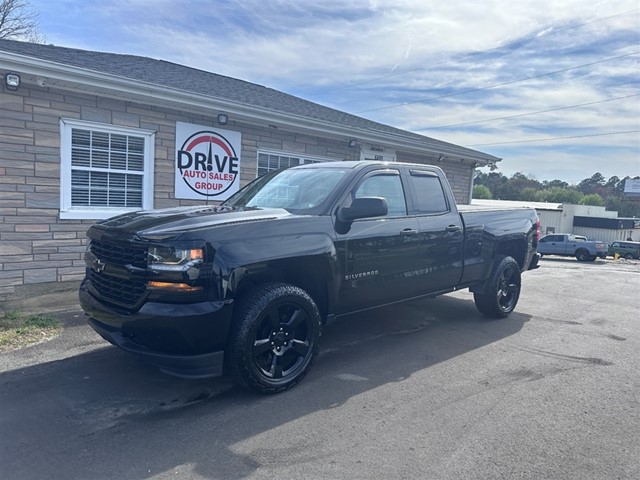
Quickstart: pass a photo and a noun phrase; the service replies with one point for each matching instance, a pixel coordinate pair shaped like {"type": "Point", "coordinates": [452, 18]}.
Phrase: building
{"type": "Point", "coordinates": [87, 135]}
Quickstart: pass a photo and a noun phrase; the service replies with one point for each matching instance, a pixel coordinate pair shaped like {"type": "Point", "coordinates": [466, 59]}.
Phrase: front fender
{"type": "Point", "coordinates": [312, 255]}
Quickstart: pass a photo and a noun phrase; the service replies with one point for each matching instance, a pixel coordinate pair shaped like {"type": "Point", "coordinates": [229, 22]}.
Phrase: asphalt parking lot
{"type": "Point", "coordinates": [424, 390]}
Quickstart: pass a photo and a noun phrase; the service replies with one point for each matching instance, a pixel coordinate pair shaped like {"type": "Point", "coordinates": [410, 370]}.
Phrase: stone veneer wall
{"type": "Point", "coordinates": [39, 252]}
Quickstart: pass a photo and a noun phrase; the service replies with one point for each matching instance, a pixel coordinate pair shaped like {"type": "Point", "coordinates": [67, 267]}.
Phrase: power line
{"type": "Point", "coordinates": [554, 138]}
{"type": "Point", "coordinates": [525, 114]}
{"type": "Point", "coordinates": [462, 92]}
{"type": "Point", "coordinates": [480, 52]}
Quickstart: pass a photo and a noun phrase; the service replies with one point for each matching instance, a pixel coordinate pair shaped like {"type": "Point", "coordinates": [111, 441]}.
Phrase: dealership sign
{"type": "Point", "coordinates": [207, 162]}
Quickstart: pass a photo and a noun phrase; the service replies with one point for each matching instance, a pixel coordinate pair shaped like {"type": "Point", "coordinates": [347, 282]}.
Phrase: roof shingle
{"type": "Point", "coordinates": [212, 85]}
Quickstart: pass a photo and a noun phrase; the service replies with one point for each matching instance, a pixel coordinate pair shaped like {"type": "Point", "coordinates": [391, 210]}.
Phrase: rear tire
{"type": "Point", "coordinates": [582, 255]}
{"type": "Point", "coordinates": [503, 289]}
{"type": "Point", "coordinates": [274, 338]}
{"type": "Point", "coordinates": [628, 256]}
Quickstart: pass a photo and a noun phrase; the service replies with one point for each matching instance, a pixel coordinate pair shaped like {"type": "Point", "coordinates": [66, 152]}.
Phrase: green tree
{"type": "Point", "coordinates": [481, 191]}
{"type": "Point", "coordinates": [625, 208]}
{"type": "Point", "coordinates": [492, 181]}
{"type": "Point", "coordinates": [614, 184]}
{"type": "Point", "coordinates": [592, 199]}
{"type": "Point", "coordinates": [593, 184]}
{"type": "Point", "coordinates": [513, 187]}
{"type": "Point", "coordinates": [555, 184]}
{"type": "Point", "coordinates": [560, 195]}
{"type": "Point", "coordinates": [530, 194]}
{"type": "Point", "coordinates": [521, 181]}
{"type": "Point", "coordinates": [595, 190]}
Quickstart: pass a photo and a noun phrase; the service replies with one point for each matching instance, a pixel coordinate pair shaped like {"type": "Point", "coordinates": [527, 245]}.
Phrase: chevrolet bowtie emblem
{"type": "Point", "coordinates": [98, 265]}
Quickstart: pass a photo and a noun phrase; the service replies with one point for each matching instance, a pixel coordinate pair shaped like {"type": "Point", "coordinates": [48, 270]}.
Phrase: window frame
{"type": "Point", "coordinates": [280, 153]}
{"type": "Point", "coordinates": [69, 212]}
{"type": "Point", "coordinates": [415, 194]}
{"type": "Point", "coordinates": [389, 172]}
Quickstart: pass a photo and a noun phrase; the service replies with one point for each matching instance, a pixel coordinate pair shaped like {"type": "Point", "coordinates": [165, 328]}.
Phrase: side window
{"type": "Point", "coordinates": [387, 186]}
{"type": "Point", "coordinates": [429, 195]}
{"type": "Point", "coordinates": [269, 161]}
{"type": "Point", "coordinates": [105, 170]}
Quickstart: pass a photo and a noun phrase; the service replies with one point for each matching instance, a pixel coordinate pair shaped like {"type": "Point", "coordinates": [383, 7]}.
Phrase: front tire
{"type": "Point", "coordinates": [503, 289]}
{"type": "Point", "coordinates": [275, 337]}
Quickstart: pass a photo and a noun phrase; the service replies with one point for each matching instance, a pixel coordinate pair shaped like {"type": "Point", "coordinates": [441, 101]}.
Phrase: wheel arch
{"type": "Point", "coordinates": [314, 274]}
{"type": "Point", "coordinates": [514, 248]}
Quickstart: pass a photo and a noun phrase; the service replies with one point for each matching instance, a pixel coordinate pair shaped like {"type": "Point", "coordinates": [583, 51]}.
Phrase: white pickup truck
{"type": "Point", "coordinates": [572, 246]}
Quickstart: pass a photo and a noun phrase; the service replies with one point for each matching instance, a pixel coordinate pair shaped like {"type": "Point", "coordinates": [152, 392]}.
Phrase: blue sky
{"type": "Point", "coordinates": [513, 79]}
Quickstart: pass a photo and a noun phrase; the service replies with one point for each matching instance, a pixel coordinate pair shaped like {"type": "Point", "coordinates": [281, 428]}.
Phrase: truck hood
{"type": "Point", "coordinates": [170, 222]}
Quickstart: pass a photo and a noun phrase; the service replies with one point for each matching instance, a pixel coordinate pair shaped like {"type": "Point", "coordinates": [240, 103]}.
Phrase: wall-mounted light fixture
{"type": "Point", "coordinates": [12, 81]}
{"type": "Point", "coordinates": [223, 118]}
{"type": "Point", "coordinates": [353, 142]}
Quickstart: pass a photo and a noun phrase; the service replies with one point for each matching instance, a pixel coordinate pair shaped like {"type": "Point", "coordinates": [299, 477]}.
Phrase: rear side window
{"type": "Point", "coordinates": [429, 195]}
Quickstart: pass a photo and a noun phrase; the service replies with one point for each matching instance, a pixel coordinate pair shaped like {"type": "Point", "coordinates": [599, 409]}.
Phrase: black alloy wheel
{"type": "Point", "coordinates": [502, 291]}
{"type": "Point", "coordinates": [275, 338]}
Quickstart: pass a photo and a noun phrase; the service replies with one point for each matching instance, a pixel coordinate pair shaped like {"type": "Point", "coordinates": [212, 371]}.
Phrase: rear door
{"type": "Point", "coordinates": [440, 260]}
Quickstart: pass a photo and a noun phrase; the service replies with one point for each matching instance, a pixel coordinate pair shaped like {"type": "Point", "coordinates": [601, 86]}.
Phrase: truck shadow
{"type": "Point", "coordinates": [105, 414]}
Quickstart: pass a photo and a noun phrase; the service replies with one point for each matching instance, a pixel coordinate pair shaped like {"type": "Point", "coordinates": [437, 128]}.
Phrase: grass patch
{"type": "Point", "coordinates": [19, 330]}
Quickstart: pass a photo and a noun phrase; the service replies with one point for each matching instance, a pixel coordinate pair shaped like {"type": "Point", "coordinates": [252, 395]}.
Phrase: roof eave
{"type": "Point", "coordinates": [64, 76]}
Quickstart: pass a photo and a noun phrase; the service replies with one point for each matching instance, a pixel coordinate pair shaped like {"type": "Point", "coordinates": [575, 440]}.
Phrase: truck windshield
{"type": "Point", "coordinates": [294, 190]}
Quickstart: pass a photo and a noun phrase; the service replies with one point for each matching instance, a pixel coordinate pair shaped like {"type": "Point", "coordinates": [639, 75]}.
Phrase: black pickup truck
{"type": "Point", "coordinates": [246, 286]}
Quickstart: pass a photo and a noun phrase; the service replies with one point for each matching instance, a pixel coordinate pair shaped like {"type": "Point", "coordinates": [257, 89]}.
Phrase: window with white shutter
{"type": "Point", "coordinates": [273, 160]}
{"type": "Point", "coordinates": [106, 170]}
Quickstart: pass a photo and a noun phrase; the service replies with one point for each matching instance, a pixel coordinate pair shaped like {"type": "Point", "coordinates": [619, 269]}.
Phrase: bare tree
{"type": "Point", "coordinates": [19, 21]}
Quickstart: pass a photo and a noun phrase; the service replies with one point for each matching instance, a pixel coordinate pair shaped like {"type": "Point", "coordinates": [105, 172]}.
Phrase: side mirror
{"type": "Point", "coordinates": [363, 207]}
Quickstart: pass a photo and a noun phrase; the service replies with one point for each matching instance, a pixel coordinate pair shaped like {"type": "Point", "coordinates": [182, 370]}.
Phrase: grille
{"type": "Point", "coordinates": [120, 254]}
{"type": "Point", "coordinates": [117, 289]}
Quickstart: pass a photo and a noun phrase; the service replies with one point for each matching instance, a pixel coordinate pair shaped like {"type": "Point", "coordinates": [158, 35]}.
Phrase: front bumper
{"type": "Point", "coordinates": [185, 366]}
{"type": "Point", "coordinates": [186, 340]}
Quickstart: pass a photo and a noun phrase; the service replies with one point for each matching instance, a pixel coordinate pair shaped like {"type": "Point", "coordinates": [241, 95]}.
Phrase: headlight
{"type": "Point", "coordinates": [169, 258]}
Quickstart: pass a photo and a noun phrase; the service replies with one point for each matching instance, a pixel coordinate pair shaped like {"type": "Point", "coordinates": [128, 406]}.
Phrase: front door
{"type": "Point", "coordinates": [378, 255]}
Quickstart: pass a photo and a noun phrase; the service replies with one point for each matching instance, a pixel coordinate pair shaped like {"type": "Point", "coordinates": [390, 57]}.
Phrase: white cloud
{"type": "Point", "coordinates": [364, 55]}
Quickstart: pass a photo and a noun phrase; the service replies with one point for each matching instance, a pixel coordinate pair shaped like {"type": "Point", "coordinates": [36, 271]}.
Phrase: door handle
{"type": "Point", "coordinates": [409, 231]}
{"type": "Point", "coordinates": [453, 228]}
